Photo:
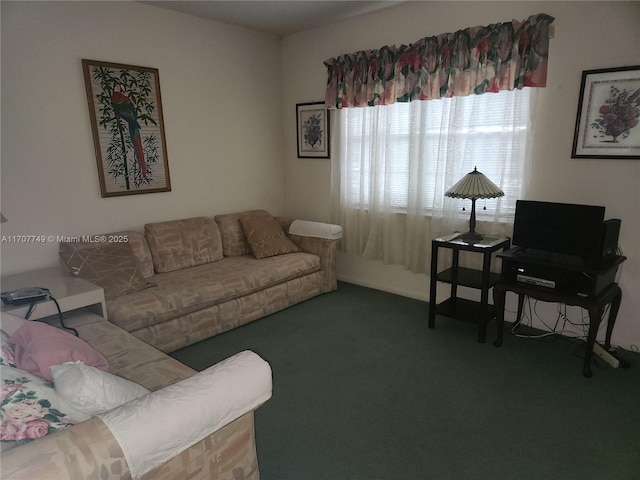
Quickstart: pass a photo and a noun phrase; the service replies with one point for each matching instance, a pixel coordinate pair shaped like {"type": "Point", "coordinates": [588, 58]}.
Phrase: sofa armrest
{"type": "Point", "coordinates": [325, 245]}
{"type": "Point", "coordinates": [326, 249]}
{"type": "Point", "coordinates": [166, 423]}
{"type": "Point", "coordinates": [159, 426]}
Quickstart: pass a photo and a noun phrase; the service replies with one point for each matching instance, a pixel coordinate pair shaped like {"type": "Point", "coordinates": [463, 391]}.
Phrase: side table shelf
{"type": "Point", "coordinates": [465, 310]}
{"type": "Point", "coordinates": [461, 308]}
{"type": "Point", "coordinates": [467, 277]}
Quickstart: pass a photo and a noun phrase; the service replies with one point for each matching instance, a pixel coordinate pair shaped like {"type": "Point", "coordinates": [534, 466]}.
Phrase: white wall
{"type": "Point", "coordinates": [588, 35]}
{"type": "Point", "coordinates": [223, 91]}
{"type": "Point", "coordinates": [220, 92]}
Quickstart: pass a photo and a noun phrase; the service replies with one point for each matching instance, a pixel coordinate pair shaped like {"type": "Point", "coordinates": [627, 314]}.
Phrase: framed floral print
{"type": "Point", "coordinates": [607, 124]}
{"type": "Point", "coordinates": [312, 122]}
{"type": "Point", "coordinates": [128, 128]}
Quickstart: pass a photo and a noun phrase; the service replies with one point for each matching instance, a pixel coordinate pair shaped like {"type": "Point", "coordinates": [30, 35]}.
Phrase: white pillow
{"type": "Point", "coordinates": [91, 390]}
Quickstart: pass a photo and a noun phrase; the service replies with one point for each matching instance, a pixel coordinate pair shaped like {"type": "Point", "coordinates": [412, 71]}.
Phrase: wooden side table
{"type": "Point", "coordinates": [461, 308]}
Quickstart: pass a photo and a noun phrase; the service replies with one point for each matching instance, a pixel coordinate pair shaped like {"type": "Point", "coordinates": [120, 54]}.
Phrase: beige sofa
{"type": "Point", "coordinates": [202, 276]}
{"type": "Point", "coordinates": [178, 283]}
{"type": "Point", "coordinates": [90, 450]}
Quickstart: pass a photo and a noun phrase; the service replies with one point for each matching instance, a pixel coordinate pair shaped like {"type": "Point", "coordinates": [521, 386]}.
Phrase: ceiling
{"type": "Point", "coordinates": [278, 18]}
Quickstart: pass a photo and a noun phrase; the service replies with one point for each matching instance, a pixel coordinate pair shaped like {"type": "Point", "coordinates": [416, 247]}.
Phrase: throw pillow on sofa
{"type": "Point", "coordinates": [31, 408]}
{"type": "Point", "coordinates": [37, 346]}
{"type": "Point", "coordinates": [93, 391]}
{"type": "Point", "coordinates": [111, 266]}
{"type": "Point", "coordinates": [234, 242]}
{"type": "Point", "coordinates": [266, 237]}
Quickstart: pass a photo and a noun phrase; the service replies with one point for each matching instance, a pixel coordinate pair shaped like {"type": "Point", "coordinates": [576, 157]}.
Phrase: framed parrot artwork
{"type": "Point", "coordinates": [128, 129]}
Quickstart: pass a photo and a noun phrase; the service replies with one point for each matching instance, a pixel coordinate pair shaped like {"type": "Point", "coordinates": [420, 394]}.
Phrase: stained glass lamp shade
{"type": "Point", "coordinates": [473, 186]}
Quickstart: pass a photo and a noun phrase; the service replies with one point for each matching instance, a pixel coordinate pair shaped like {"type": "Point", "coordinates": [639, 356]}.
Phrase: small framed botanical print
{"type": "Point", "coordinates": [607, 124]}
{"type": "Point", "coordinates": [312, 122]}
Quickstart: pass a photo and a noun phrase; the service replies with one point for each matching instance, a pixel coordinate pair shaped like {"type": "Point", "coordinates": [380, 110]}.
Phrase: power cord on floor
{"type": "Point", "coordinates": [557, 331]}
{"type": "Point", "coordinates": [529, 316]}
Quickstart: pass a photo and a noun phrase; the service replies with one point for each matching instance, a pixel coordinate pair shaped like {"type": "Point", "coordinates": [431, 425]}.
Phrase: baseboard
{"type": "Point", "coordinates": [415, 294]}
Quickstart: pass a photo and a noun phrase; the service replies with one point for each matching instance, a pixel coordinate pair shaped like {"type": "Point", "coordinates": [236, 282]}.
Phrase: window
{"type": "Point", "coordinates": [404, 156]}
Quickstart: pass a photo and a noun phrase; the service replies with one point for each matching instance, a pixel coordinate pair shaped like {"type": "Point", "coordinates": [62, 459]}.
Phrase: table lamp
{"type": "Point", "coordinates": [474, 185]}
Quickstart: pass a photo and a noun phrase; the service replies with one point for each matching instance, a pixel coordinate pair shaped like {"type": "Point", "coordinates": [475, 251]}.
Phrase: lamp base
{"type": "Point", "coordinates": [471, 235]}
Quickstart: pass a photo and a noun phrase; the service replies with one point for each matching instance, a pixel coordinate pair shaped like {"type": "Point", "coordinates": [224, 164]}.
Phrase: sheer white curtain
{"type": "Point", "coordinates": [392, 165]}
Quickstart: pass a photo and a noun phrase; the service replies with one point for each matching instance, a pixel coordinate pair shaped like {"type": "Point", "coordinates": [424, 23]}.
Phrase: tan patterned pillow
{"type": "Point", "coordinates": [111, 266]}
{"type": "Point", "coordinates": [179, 244]}
{"type": "Point", "coordinates": [234, 242]}
{"type": "Point", "coordinates": [266, 237]}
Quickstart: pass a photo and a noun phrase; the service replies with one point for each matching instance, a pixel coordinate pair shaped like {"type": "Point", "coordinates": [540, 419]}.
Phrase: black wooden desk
{"type": "Point", "coordinates": [594, 302]}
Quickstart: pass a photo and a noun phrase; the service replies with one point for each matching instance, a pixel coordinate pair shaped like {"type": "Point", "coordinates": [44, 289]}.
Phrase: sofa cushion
{"type": "Point", "coordinates": [111, 266]}
{"type": "Point", "coordinates": [129, 357]}
{"type": "Point", "coordinates": [234, 241]}
{"type": "Point", "coordinates": [179, 244]}
{"type": "Point", "coordinates": [185, 291]}
{"type": "Point", "coordinates": [266, 237]}
{"type": "Point", "coordinates": [140, 249]}
{"type": "Point", "coordinates": [10, 322]}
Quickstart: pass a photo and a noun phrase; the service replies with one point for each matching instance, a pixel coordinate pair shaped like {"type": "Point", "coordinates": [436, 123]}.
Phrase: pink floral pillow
{"type": "Point", "coordinates": [30, 408]}
{"type": "Point", "coordinates": [37, 346]}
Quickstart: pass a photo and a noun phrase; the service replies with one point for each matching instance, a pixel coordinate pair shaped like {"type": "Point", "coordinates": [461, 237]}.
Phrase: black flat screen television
{"type": "Point", "coordinates": [561, 228]}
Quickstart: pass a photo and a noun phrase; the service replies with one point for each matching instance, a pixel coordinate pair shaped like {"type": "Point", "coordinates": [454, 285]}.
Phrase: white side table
{"type": "Point", "coordinates": [72, 293]}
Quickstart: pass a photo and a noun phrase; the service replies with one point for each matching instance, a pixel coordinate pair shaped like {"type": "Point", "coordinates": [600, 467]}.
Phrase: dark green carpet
{"type": "Point", "coordinates": [362, 389]}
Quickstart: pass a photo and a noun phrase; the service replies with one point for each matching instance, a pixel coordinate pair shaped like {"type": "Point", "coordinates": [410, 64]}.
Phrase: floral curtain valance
{"type": "Point", "coordinates": [502, 56]}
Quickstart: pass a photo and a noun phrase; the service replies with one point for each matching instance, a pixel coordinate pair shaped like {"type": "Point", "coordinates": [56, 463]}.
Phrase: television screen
{"type": "Point", "coordinates": [563, 228]}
